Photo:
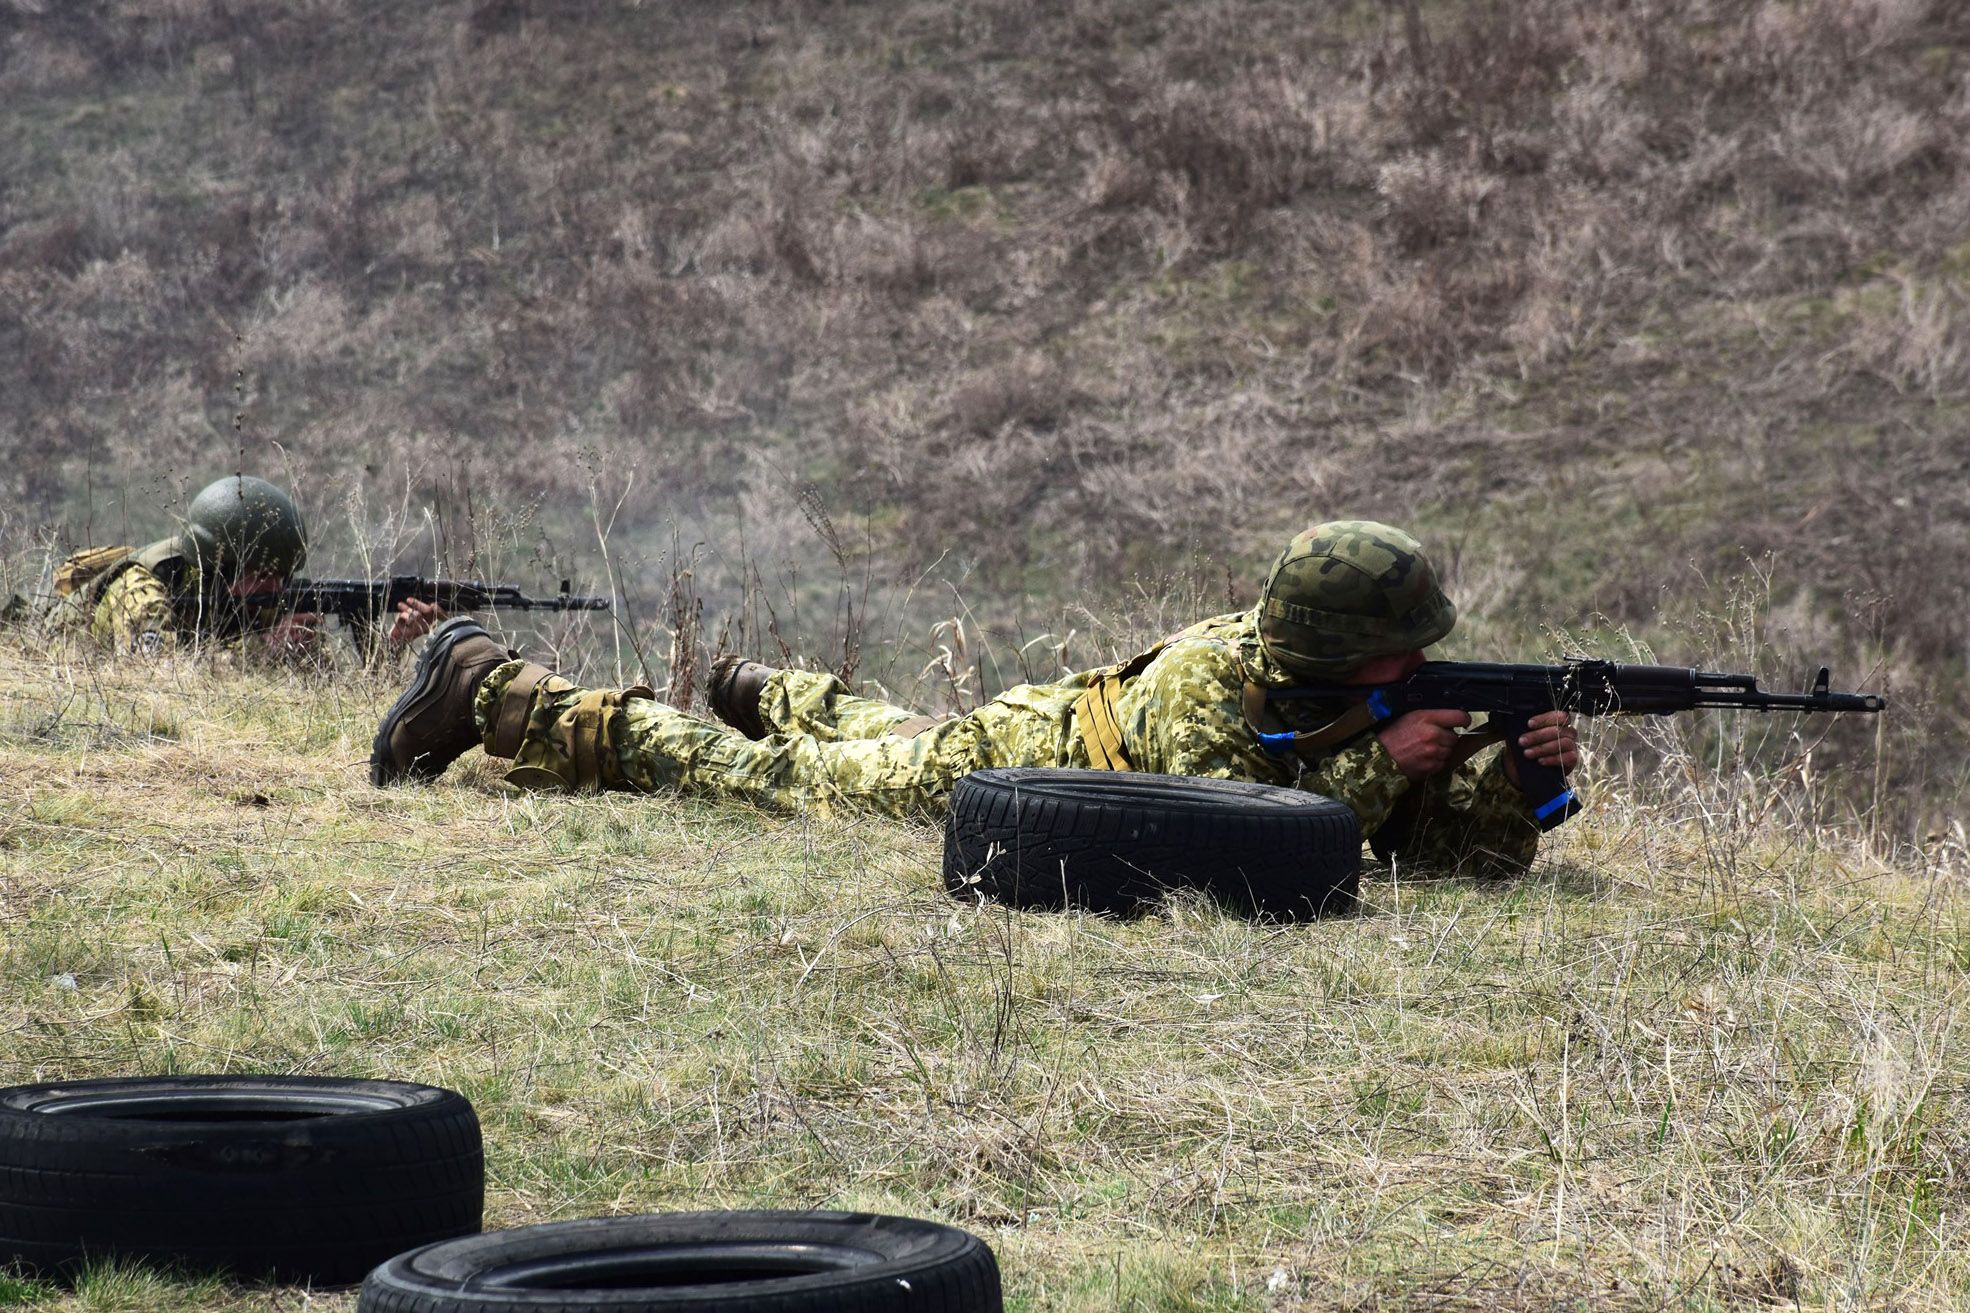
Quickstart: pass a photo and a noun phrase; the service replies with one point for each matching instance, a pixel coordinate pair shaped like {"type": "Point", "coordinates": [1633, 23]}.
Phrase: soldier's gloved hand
{"type": "Point", "coordinates": [1424, 743]}
{"type": "Point", "coordinates": [414, 620]}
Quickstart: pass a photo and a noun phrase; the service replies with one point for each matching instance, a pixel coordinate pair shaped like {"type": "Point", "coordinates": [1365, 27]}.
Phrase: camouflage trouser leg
{"type": "Point", "coordinates": [581, 738]}
{"type": "Point", "coordinates": [803, 702]}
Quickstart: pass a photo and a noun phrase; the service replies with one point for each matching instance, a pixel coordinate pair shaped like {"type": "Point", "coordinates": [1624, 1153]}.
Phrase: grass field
{"type": "Point", "coordinates": [1700, 1057]}
{"type": "Point", "coordinates": [1649, 318]}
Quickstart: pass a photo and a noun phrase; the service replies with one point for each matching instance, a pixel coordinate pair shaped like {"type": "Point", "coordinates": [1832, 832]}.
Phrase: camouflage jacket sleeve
{"type": "Point", "coordinates": [134, 613]}
{"type": "Point", "coordinates": [1474, 819]}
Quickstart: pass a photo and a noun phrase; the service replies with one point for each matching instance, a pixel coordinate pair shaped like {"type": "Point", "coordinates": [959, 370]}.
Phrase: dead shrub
{"type": "Point", "coordinates": [1854, 145]}
{"type": "Point", "coordinates": [1428, 201]}
{"type": "Point", "coordinates": [1495, 62]}
{"type": "Point", "coordinates": [61, 244]}
{"type": "Point", "coordinates": [785, 237]}
{"type": "Point", "coordinates": [488, 18]}
{"type": "Point", "coordinates": [37, 62]}
{"type": "Point", "coordinates": [1574, 283]}
{"type": "Point", "coordinates": [1820, 42]}
{"type": "Point", "coordinates": [1115, 180]}
{"type": "Point", "coordinates": [1028, 391]}
{"type": "Point", "coordinates": [1405, 324]}
{"type": "Point", "coordinates": [889, 257]}
{"type": "Point", "coordinates": [1919, 340]}
{"type": "Point", "coordinates": [1224, 154]}
{"type": "Point", "coordinates": [986, 148]}
{"type": "Point", "coordinates": [1600, 135]}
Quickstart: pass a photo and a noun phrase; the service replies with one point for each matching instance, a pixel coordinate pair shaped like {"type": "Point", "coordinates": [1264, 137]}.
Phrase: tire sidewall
{"type": "Point", "coordinates": [322, 1197]}
{"type": "Point", "coordinates": [1112, 842]}
{"type": "Point", "coordinates": [919, 1264]}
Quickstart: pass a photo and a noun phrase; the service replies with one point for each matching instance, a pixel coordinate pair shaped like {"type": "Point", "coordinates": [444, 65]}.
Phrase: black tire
{"type": "Point", "coordinates": [1119, 841]}
{"type": "Point", "coordinates": [713, 1262]}
{"type": "Point", "coordinates": [297, 1178]}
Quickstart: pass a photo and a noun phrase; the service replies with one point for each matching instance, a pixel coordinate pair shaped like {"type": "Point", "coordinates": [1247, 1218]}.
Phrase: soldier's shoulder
{"type": "Point", "coordinates": [1223, 639]}
{"type": "Point", "coordinates": [1202, 655]}
{"type": "Point", "coordinates": [1232, 625]}
{"type": "Point", "coordinates": [125, 577]}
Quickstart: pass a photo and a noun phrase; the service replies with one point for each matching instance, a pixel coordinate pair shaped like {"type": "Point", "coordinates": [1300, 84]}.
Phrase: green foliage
{"type": "Point", "coordinates": [22, 1292]}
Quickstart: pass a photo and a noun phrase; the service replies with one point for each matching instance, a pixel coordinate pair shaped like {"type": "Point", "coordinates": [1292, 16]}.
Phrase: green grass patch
{"type": "Point", "coordinates": [1690, 1057]}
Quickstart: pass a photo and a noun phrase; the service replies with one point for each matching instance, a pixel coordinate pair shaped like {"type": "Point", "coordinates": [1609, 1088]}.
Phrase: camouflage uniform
{"type": "Point", "coordinates": [145, 598]}
{"type": "Point", "coordinates": [1183, 714]}
{"type": "Point", "coordinates": [140, 600]}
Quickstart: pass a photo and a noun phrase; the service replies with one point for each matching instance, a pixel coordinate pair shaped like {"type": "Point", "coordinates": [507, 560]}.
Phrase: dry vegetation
{"type": "Point", "coordinates": [1700, 1058]}
{"type": "Point", "coordinates": [1614, 301]}
{"type": "Point", "coordinates": [953, 344]}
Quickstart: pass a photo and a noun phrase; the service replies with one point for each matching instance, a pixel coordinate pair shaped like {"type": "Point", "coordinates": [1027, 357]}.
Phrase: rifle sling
{"type": "Point", "coordinates": [1308, 745]}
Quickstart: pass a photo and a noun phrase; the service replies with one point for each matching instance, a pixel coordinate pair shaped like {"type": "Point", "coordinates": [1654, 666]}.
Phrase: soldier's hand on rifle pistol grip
{"type": "Point", "coordinates": [1424, 743]}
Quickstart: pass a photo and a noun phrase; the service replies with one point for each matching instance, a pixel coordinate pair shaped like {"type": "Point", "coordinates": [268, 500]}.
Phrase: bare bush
{"type": "Point", "coordinates": [1429, 201]}
{"type": "Point", "coordinates": [1919, 339]}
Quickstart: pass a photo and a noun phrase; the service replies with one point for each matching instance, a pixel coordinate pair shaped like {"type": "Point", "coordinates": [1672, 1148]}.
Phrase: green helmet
{"type": "Point", "coordinates": [242, 523]}
{"type": "Point", "coordinates": [1346, 592]}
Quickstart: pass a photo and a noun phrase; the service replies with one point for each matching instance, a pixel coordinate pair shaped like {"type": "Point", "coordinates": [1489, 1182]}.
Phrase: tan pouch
{"type": "Point", "coordinates": [516, 704]}
{"type": "Point", "coordinates": [1095, 721]}
{"type": "Point", "coordinates": [84, 568]}
{"type": "Point", "coordinates": [578, 751]}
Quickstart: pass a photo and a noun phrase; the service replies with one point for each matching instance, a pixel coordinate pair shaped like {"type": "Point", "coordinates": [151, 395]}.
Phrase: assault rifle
{"type": "Point", "coordinates": [362, 603]}
{"type": "Point", "coordinates": [1512, 695]}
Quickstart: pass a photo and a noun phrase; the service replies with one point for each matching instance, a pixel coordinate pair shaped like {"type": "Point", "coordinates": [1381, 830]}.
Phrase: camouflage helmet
{"type": "Point", "coordinates": [242, 523]}
{"type": "Point", "coordinates": [1346, 592]}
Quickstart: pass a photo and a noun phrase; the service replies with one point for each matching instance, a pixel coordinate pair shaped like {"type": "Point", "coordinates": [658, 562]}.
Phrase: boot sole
{"type": "Point", "coordinates": [381, 772]}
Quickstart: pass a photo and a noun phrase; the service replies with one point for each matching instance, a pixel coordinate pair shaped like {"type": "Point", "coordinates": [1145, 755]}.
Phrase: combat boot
{"type": "Point", "coordinates": [431, 725]}
{"type": "Point", "coordinates": [735, 685]}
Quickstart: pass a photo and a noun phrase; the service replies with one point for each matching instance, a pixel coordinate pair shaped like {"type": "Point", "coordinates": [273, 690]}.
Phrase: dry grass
{"type": "Point", "coordinates": [1614, 299]}
{"type": "Point", "coordinates": [1702, 1057]}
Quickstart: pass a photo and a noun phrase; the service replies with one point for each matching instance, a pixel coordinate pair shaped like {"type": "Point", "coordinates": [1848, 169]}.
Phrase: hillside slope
{"type": "Point", "coordinates": [1631, 308]}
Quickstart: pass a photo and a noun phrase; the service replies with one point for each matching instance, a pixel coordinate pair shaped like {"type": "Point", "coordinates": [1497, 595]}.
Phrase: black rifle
{"type": "Point", "coordinates": [1512, 695]}
{"type": "Point", "coordinates": [362, 603]}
